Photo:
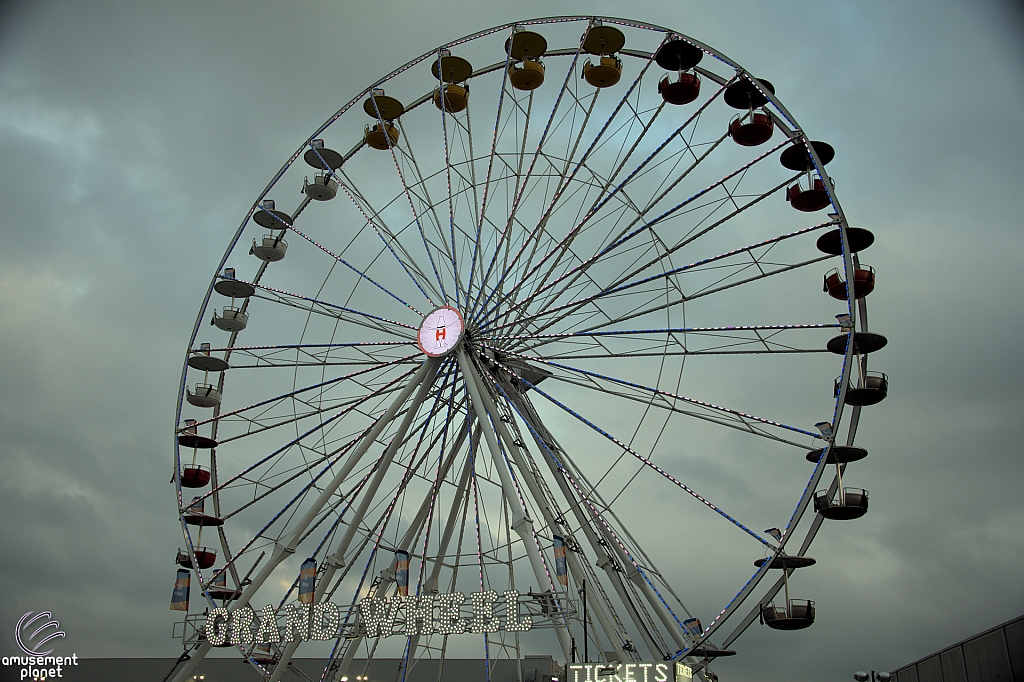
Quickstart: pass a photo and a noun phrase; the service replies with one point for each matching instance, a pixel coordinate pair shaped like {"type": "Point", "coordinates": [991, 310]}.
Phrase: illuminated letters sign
{"type": "Point", "coordinates": [643, 671]}
{"type": "Point", "coordinates": [440, 331]}
{"type": "Point", "coordinates": [377, 617]}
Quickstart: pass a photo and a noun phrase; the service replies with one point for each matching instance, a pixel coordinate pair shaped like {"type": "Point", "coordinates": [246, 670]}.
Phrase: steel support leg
{"type": "Point", "coordinates": [526, 474]}
{"type": "Point", "coordinates": [521, 523]}
{"type": "Point", "coordinates": [430, 584]}
{"type": "Point", "coordinates": [337, 559]}
{"type": "Point", "coordinates": [541, 434]}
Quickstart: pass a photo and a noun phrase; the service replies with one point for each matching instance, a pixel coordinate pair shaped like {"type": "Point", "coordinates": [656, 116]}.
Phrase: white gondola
{"type": "Point", "coordinates": [271, 248]}
{"type": "Point", "coordinates": [230, 319]}
{"type": "Point", "coordinates": [205, 395]}
{"type": "Point", "coordinates": [794, 614]}
{"type": "Point", "coordinates": [269, 217]}
{"type": "Point", "coordinates": [323, 187]}
{"type": "Point", "coordinates": [202, 360]}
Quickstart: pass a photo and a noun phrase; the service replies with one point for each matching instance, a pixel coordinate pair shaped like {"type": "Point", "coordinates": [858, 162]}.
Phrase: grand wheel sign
{"type": "Point", "coordinates": [447, 614]}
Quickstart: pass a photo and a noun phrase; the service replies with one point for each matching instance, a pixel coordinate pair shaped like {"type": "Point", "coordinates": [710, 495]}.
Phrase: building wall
{"type": "Point", "coordinates": [996, 655]}
{"type": "Point", "coordinates": [534, 669]}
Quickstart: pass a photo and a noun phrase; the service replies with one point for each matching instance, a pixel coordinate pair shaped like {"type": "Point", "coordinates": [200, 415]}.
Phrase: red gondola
{"type": "Point", "coordinates": [755, 127]}
{"type": "Point", "coordinates": [863, 283]}
{"type": "Point", "coordinates": [194, 476]}
{"type": "Point", "coordinates": [683, 90]}
{"type": "Point", "coordinates": [204, 556]}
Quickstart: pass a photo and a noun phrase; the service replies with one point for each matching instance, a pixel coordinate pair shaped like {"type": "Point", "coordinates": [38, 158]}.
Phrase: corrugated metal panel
{"type": "Point", "coordinates": [995, 655]}
{"type": "Point", "coordinates": [986, 658]}
{"type": "Point", "coordinates": [953, 665]}
{"type": "Point", "coordinates": [929, 670]}
{"type": "Point", "coordinates": [1015, 645]}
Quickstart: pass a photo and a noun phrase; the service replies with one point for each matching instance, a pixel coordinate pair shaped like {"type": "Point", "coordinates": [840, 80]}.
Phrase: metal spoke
{"type": "Point", "coordinates": [347, 410]}
{"type": "Point", "coordinates": [647, 225]}
{"type": "Point", "coordinates": [648, 463]}
{"type": "Point", "coordinates": [412, 207]}
{"type": "Point", "coordinates": [385, 235]}
{"type": "Point", "coordinates": [347, 264]}
{"type": "Point", "coordinates": [621, 285]}
{"type": "Point", "coordinates": [325, 308]}
{"type": "Point", "coordinates": [563, 183]}
{"type": "Point", "coordinates": [563, 245]}
{"type": "Point", "coordinates": [529, 171]}
{"type": "Point", "coordinates": [380, 365]}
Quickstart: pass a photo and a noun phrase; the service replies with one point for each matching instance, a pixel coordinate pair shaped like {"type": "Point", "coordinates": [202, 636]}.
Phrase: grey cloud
{"type": "Point", "coordinates": [134, 138]}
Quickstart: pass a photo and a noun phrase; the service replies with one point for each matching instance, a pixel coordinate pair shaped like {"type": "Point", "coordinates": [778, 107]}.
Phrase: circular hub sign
{"type": "Point", "coordinates": [440, 331]}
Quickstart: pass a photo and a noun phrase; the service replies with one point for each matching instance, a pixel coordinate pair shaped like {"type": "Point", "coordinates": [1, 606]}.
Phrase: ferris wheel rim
{"type": "Point", "coordinates": [840, 221]}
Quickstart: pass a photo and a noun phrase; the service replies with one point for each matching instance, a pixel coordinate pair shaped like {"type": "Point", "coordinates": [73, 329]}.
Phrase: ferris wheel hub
{"type": "Point", "coordinates": [441, 331]}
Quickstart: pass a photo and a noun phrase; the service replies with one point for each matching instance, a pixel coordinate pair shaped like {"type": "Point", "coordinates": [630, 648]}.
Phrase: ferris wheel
{"type": "Point", "coordinates": [519, 353]}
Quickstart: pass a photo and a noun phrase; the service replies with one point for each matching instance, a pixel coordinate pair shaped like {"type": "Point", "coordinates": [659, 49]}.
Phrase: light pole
{"type": "Point", "coordinates": [862, 676]}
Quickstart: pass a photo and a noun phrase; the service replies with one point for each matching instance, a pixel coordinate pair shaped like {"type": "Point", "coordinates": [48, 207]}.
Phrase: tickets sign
{"type": "Point", "coordinates": [643, 671]}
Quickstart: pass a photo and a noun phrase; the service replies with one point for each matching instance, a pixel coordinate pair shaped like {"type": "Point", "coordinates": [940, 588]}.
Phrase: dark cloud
{"type": "Point", "coordinates": [134, 138]}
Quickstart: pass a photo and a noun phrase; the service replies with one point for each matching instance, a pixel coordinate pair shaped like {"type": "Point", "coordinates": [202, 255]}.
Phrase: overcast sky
{"type": "Point", "coordinates": [134, 137]}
